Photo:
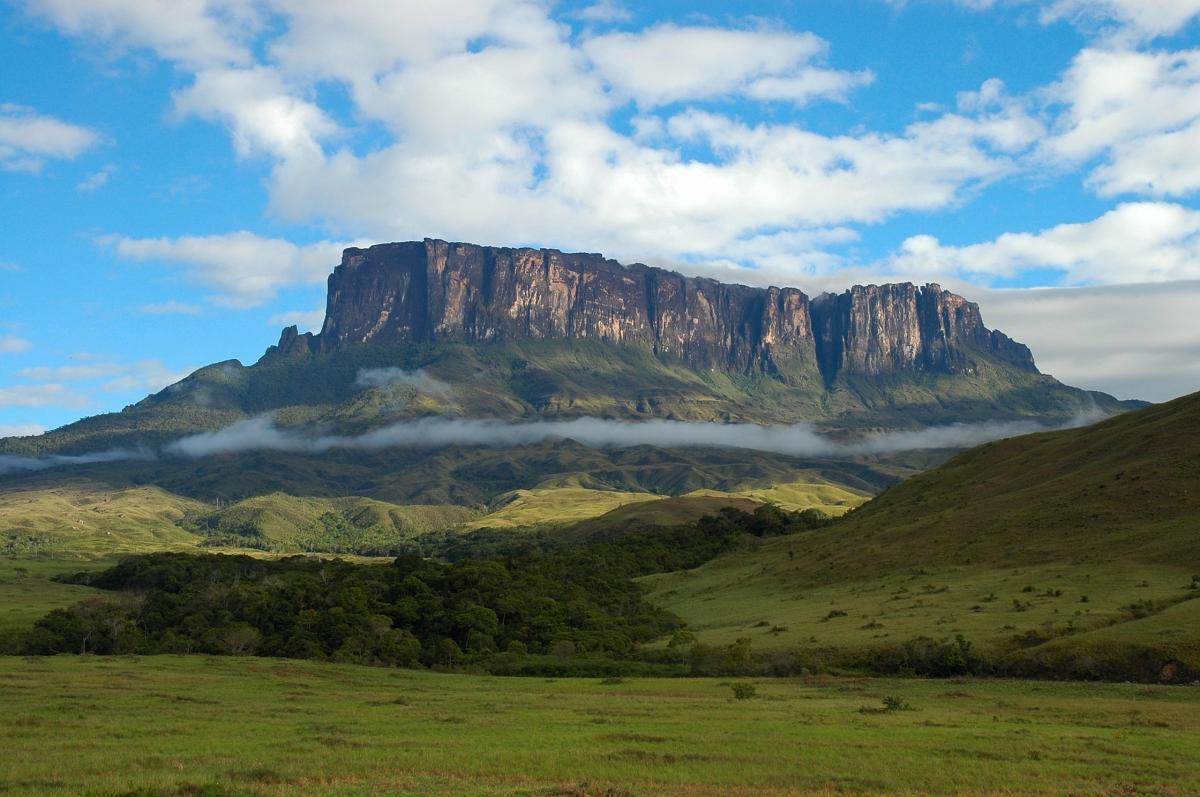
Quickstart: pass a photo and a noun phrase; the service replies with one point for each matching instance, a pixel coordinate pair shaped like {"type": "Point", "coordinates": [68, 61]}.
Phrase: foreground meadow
{"type": "Point", "coordinates": [179, 725]}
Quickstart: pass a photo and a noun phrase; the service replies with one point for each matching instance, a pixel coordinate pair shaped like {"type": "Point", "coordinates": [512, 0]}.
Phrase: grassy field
{"type": "Point", "coordinates": [219, 726]}
{"type": "Point", "coordinates": [1066, 538]}
{"type": "Point", "coordinates": [555, 505]}
{"type": "Point", "coordinates": [27, 591]}
{"type": "Point", "coordinates": [832, 499]}
{"type": "Point", "coordinates": [281, 522]}
{"type": "Point", "coordinates": [78, 518]}
{"type": "Point", "coordinates": [770, 600]}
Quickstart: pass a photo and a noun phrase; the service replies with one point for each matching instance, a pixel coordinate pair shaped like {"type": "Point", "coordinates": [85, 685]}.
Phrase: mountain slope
{"type": "Point", "coordinates": [1030, 547]}
{"type": "Point", "coordinates": [429, 328]}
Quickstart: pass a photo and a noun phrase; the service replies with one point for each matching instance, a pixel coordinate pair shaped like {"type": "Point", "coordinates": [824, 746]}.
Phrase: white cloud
{"type": "Point", "coordinates": [306, 320]}
{"type": "Point", "coordinates": [143, 375]}
{"type": "Point", "coordinates": [192, 32]}
{"type": "Point", "coordinates": [48, 395]}
{"type": "Point", "coordinates": [11, 344]}
{"type": "Point", "coordinates": [243, 269]}
{"type": "Point", "coordinates": [492, 121]}
{"type": "Point", "coordinates": [667, 64]}
{"type": "Point", "coordinates": [419, 380]}
{"type": "Point", "coordinates": [28, 139]}
{"type": "Point", "coordinates": [604, 11]}
{"type": "Point", "coordinates": [1118, 21]}
{"type": "Point", "coordinates": [1134, 341]}
{"type": "Point", "coordinates": [1134, 19]}
{"type": "Point", "coordinates": [263, 115]}
{"type": "Point", "coordinates": [1135, 242]}
{"type": "Point", "coordinates": [1139, 112]}
{"type": "Point", "coordinates": [171, 307]}
{"type": "Point", "coordinates": [21, 429]}
{"type": "Point", "coordinates": [96, 180]}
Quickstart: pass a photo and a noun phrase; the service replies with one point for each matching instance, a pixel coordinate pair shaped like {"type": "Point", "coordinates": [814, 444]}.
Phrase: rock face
{"type": "Point", "coordinates": [434, 291]}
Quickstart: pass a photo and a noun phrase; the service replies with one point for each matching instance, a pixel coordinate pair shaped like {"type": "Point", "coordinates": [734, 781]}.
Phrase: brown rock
{"type": "Point", "coordinates": [432, 290]}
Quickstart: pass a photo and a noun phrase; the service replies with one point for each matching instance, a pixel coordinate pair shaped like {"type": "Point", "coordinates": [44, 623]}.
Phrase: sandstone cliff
{"type": "Point", "coordinates": [434, 291]}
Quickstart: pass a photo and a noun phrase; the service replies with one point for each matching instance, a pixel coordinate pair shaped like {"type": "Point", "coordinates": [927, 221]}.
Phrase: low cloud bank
{"type": "Point", "coordinates": [12, 464]}
{"type": "Point", "coordinates": [260, 434]}
{"type": "Point", "coordinates": [799, 440]}
{"type": "Point", "coordinates": [386, 377]}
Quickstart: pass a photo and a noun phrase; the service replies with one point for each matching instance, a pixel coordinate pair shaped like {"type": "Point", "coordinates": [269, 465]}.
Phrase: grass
{"type": "Point", "coordinates": [28, 593]}
{"type": "Point", "coordinates": [555, 505]}
{"type": "Point", "coordinates": [770, 601]}
{"type": "Point", "coordinates": [1046, 536]}
{"type": "Point", "coordinates": [78, 518]}
{"type": "Point", "coordinates": [281, 522]}
{"type": "Point", "coordinates": [196, 725]}
{"type": "Point", "coordinates": [832, 499]}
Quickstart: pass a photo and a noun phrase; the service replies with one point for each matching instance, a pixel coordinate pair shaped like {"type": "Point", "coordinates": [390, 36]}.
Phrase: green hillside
{"type": "Point", "coordinates": [1081, 545]}
{"type": "Point", "coordinates": [554, 379]}
{"type": "Point", "coordinates": [285, 523]}
{"type": "Point", "coordinates": [472, 476]}
{"type": "Point", "coordinates": [80, 518]}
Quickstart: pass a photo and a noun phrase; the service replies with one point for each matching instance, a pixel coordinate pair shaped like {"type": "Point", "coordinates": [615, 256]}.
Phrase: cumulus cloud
{"type": "Point", "coordinates": [418, 380]}
{"type": "Point", "coordinates": [11, 344]}
{"type": "Point", "coordinates": [241, 268]}
{"type": "Point", "coordinates": [532, 148]}
{"type": "Point", "coordinates": [1118, 21]}
{"type": "Point", "coordinates": [28, 139]}
{"type": "Point", "coordinates": [192, 32]}
{"type": "Point", "coordinates": [1135, 242]}
{"type": "Point", "coordinates": [1139, 112]}
{"type": "Point", "coordinates": [1125, 19]}
{"type": "Point", "coordinates": [668, 63]}
{"type": "Point", "coordinates": [264, 116]}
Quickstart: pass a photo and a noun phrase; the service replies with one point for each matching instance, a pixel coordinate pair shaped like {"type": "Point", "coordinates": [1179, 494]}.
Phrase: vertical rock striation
{"type": "Point", "coordinates": [432, 290]}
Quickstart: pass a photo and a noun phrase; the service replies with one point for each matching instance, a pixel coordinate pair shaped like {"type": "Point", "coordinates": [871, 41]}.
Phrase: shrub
{"type": "Point", "coordinates": [743, 691]}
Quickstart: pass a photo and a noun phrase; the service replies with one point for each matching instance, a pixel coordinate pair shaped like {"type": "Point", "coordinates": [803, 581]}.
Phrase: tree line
{"type": "Point", "coordinates": [577, 602]}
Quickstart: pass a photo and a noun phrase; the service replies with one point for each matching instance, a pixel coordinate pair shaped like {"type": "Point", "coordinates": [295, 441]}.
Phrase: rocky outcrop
{"type": "Point", "coordinates": [432, 290]}
{"type": "Point", "coordinates": [880, 329]}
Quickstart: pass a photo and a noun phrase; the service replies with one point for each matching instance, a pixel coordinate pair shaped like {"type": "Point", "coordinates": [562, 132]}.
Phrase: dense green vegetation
{"type": "Point", "coordinates": [414, 611]}
{"type": "Point", "coordinates": [472, 476]}
{"type": "Point", "coordinates": [577, 600]}
{"type": "Point", "coordinates": [554, 378]}
{"type": "Point", "coordinates": [284, 523]}
{"type": "Point", "coordinates": [168, 726]}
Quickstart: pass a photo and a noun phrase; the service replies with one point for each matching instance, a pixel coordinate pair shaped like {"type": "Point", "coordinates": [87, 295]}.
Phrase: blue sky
{"type": "Point", "coordinates": [176, 179]}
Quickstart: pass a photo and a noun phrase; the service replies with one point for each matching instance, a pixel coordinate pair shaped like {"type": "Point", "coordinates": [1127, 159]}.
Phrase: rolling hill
{"type": "Point", "coordinates": [1078, 546]}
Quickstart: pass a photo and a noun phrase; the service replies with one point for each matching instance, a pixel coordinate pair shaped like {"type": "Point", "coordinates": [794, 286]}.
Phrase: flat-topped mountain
{"type": "Point", "coordinates": [433, 291]}
{"type": "Point", "coordinates": [431, 328]}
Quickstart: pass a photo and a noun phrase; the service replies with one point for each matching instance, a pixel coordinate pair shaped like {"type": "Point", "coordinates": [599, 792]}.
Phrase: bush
{"type": "Point", "coordinates": [743, 691]}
